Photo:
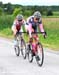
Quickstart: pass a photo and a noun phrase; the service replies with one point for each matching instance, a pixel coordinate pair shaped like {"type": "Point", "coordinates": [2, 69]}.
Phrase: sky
{"type": "Point", "coordinates": [33, 2]}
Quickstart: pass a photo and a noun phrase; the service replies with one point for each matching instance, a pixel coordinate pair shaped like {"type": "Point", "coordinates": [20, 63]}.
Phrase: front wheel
{"type": "Point", "coordinates": [40, 54]}
{"type": "Point", "coordinates": [23, 48]}
{"type": "Point", "coordinates": [30, 56]}
{"type": "Point", "coordinates": [17, 50]}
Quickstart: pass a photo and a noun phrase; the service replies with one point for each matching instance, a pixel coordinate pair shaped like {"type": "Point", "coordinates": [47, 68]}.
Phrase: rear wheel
{"type": "Point", "coordinates": [40, 54]}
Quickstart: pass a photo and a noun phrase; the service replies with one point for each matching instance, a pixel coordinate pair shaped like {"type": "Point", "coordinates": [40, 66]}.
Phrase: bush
{"type": "Point", "coordinates": [49, 12]}
{"type": "Point", "coordinates": [17, 11]}
{"type": "Point", "coordinates": [6, 22]}
{"type": "Point", "coordinates": [27, 13]}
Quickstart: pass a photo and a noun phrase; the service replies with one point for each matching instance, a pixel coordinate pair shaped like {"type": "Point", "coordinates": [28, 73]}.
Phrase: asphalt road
{"type": "Point", "coordinates": [10, 64]}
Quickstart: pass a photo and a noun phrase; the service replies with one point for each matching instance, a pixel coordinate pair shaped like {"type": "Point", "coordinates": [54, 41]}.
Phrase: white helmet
{"type": "Point", "coordinates": [19, 17]}
{"type": "Point", "coordinates": [37, 14]}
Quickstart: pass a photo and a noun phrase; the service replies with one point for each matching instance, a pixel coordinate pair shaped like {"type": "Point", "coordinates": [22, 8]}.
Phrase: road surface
{"type": "Point", "coordinates": [10, 64]}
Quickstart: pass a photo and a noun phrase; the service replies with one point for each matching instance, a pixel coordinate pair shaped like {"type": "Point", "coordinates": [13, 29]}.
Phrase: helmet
{"type": "Point", "coordinates": [37, 14]}
{"type": "Point", "coordinates": [19, 17]}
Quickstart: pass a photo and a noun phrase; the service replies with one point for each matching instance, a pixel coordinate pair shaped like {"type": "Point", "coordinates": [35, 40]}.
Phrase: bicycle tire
{"type": "Point", "coordinates": [41, 59]}
{"type": "Point", "coordinates": [23, 49]}
{"type": "Point", "coordinates": [17, 50]}
{"type": "Point", "coordinates": [30, 55]}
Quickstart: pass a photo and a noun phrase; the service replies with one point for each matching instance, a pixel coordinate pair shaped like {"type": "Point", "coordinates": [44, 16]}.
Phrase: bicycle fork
{"type": "Point", "coordinates": [34, 47]}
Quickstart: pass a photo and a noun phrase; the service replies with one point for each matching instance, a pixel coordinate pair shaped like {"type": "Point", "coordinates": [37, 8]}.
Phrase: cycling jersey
{"type": "Point", "coordinates": [31, 25]}
{"type": "Point", "coordinates": [30, 20]}
{"type": "Point", "coordinates": [18, 25]}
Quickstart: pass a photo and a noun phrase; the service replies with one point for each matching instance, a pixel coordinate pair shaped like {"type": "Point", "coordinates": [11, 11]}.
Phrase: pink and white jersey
{"type": "Point", "coordinates": [18, 24]}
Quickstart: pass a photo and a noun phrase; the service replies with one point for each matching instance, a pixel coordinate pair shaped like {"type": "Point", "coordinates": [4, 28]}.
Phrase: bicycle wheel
{"type": "Point", "coordinates": [30, 55]}
{"type": "Point", "coordinates": [23, 48]}
{"type": "Point", "coordinates": [40, 55]}
{"type": "Point", "coordinates": [17, 50]}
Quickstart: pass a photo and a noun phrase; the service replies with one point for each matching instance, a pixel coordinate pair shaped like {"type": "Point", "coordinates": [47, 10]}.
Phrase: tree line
{"type": "Point", "coordinates": [26, 10]}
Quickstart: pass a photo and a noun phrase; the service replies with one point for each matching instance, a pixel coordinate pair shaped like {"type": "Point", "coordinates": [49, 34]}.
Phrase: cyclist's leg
{"type": "Point", "coordinates": [20, 35]}
{"type": "Point", "coordinates": [35, 41]}
{"type": "Point", "coordinates": [36, 38]}
{"type": "Point", "coordinates": [14, 30]}
{"type": "Point", "coordinates": [29, 29]}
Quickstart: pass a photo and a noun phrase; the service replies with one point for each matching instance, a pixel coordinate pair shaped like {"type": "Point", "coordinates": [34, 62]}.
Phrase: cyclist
{"type": "Point", "coordinates": [33, 23]}
{"type": "Point", "coordinates": [17, 24]}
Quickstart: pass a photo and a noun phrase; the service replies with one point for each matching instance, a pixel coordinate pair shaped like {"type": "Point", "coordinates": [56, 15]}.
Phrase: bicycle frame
{"type": "Point", "coordinates": [21, 45]}
{"type": "Point", "coordinates": [35, 41]}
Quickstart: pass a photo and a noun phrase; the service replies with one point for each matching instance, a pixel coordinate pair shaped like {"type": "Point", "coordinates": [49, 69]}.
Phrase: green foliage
{"type": "Point", "coordinates": [8, 8]}
{"type": "Point", "coordinates": [56, 13]}
{"type": "Point", "coordinates": [6, 22]}
{"type": "Point", "coordinates": [1, 4]}
{"type": "Point", "coordinates": [27, 13]}
{"type": "Point", "coordinates": [1, 11]}
{"type": "Point", "coordinates": [51, 25]}
{"type": "Point", "coordinates": [49, 12]}
{"type": "Point", "coordinates": [17, 11]}
{"type": "Point", "coordinates": [29, 10]}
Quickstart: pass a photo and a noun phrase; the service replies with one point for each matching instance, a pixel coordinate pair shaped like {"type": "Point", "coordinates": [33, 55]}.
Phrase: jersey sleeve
{"type": "Point", "coordinates": [13, 25]}
{"type": "Point", "coordinates": [29, 19]}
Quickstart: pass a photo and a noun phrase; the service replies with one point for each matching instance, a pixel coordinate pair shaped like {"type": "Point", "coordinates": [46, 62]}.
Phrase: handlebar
{"type": "Point", "coordinates": [32, 32]}
{"type": "Point", "coordinates": [20, 33]}
{"type": "Point", "coordinates": [45, 34]}
{"type": "Point", "coordinates": [39, 32]}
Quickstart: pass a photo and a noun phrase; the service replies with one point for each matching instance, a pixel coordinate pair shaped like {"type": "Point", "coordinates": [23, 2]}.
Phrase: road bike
{"type": "Point", "coordinates": [20, 45]}
{"type": "Point", "coordinates": [35, 49]}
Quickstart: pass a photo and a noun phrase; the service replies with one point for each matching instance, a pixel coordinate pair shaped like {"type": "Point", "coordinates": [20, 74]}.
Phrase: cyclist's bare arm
{"type": "Point", "coordinates": [14, 29]}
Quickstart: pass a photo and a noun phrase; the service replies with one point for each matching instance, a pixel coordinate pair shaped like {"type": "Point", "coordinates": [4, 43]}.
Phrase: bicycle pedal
{"type": "Point", "coordinates": [37, 57]}
{"type": "Point", "coordinates": [33, 54]}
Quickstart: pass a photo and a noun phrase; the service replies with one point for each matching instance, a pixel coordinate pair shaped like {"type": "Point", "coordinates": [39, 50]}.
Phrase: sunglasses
{"type": "Point", "coordinates": [37, 18]}
{"type": "Point", "coordinates": [20, 20]}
